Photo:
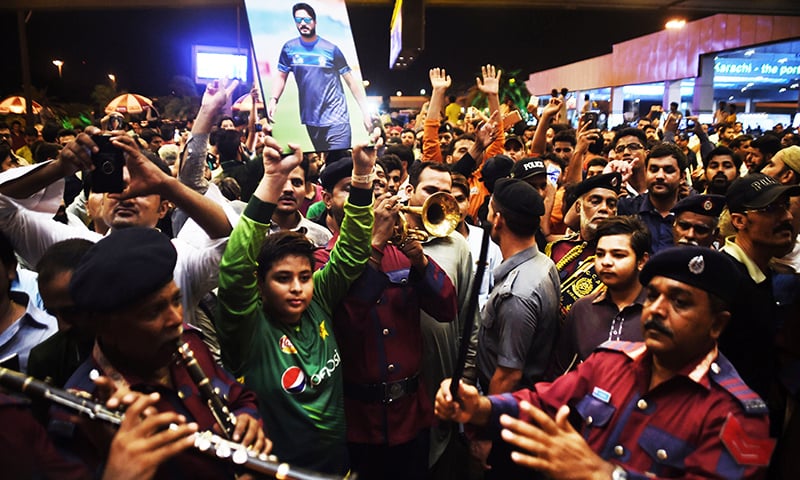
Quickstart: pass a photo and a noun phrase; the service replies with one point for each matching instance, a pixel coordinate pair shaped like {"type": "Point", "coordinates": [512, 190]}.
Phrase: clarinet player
{"type": "Point", "coordinates": [138, 321]}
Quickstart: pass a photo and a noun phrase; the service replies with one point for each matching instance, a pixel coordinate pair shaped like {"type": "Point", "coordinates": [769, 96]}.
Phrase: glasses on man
{"type": "Point", "coordinates": [699, 228]}
{"type": "Point", "coordinates": [306, 20]}
{"type": "Point", "coordinates": [633, 147]}
{"type": "Point", "coordinates": [772, 208]}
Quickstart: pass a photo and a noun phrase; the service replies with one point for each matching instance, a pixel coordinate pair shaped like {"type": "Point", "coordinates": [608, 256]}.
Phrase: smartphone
{"type": "Point", "coordinates": [553, 173]}
{"type": "Point", "coordinates": [108, 162]}
{"type": "Point", "coordinates": [590, 120]}
{"type": "Point", "coordinates": [512, 118]}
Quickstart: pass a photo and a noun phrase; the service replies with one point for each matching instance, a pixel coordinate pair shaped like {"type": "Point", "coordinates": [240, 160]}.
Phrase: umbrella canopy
{"type": "Point", "coordinates": [17, 104]}
{"type": "Point", "coordinates": [245, 103]}
{"type": "Point", "coordinates": [129, 103]}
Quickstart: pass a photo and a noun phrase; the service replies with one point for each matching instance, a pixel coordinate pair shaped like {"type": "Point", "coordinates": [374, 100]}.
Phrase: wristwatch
{"type": "Point", "coordinates": [619, 473]}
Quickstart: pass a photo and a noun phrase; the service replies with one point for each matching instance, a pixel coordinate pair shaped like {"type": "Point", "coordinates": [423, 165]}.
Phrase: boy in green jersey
{"type": "Point", "coordinates": [275, 314]}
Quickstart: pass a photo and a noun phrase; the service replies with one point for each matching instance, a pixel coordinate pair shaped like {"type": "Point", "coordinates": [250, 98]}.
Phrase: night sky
{"type": "Point", "coordinates": [146, 48]}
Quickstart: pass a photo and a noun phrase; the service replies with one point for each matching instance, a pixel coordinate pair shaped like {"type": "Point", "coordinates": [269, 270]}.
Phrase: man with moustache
{"type": "Point", "coordinates": [287, 214]}
{"type": "Point", "coordinates": [670, 407]}
{"type": "Point", "coordinates": [785, 168]}
{"type": "Point", "coordinates": [614, 313]}
{"type": "Point", "coordinates": [761, 216]}
{"type": "Point", "coordinates": [722, 168]}
{"type": "Point", "coordinates": [696, 220]}
{"type": "Point", "coordinates": [574, 254]}
{"type": "Point", "coordinates": [317, 65]}
{"type": "Point", "coordinates": [665, 169]}
{"type": "Point", "coordinates": [137, 316]}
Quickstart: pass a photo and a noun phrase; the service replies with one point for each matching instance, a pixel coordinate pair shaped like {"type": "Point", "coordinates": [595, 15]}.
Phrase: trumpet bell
{"type": "Point", "coordinates": [440, 217]}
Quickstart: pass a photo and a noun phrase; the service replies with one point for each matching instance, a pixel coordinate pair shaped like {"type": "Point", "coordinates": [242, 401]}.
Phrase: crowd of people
{"type": "Point", "coordinates": [638, 316]}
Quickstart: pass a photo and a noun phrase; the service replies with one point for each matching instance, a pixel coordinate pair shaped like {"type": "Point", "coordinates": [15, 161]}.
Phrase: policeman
{"type": "Point", "coordinates": [696, 220]}
{"type": "Point", "coordinates": [671, 406]}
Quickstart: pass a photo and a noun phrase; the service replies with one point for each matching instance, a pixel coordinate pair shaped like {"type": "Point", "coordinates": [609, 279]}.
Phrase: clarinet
{"type": "Point", "coordinates": [206, 442]}
{"type": "Point", "coordinates": [222, 414]}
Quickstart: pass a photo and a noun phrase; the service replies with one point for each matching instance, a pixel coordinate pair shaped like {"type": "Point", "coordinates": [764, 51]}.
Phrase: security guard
{"type": "Point", "coordinates": [672, 406]}
{"type": "Point", "coordinates": [696, 220]}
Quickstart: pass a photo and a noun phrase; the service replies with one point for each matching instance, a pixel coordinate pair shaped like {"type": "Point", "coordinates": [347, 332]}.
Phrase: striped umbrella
{"type": "Point", "coordinates": [245, 103]}
{"type": "Point", "coordinates": [17, 104]}
{"type": "Point", "coordinates": [129, 103]}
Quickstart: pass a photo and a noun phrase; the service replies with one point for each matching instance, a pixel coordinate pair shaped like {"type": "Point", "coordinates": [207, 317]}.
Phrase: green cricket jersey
{"type": "Point", "coordinates": [295, 370]}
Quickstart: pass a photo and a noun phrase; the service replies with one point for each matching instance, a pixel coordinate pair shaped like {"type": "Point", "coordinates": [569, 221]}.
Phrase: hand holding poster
{"type": "Point", "coordinates": [306, 57]}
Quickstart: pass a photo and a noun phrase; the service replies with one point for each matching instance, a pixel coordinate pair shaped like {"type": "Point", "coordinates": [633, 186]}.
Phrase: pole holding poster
{"type": "Point", "coordinates": [309, 73]}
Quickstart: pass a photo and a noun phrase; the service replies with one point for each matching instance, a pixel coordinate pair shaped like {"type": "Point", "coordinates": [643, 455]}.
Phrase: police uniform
{"type": "Point", "coordinates": [702, 422]}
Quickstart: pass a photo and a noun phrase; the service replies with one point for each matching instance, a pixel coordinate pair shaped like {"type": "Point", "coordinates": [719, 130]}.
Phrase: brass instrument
{"type": "Point", "coordinates": [206, 442]}
{"type": "Point", "coordinates": [440, 217]}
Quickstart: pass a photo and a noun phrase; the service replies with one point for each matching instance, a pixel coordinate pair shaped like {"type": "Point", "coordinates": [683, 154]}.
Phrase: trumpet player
{"type": "Point", "coordinates": [441, 340]}
{"type": "Point", "coordinates": [125, 285]}
{"type": "Point", "coordinates": [377, 326]}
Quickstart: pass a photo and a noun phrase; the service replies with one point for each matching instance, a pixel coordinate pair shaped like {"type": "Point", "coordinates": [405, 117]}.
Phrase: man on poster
{"type": "Point", "coordinates": [317, 65]}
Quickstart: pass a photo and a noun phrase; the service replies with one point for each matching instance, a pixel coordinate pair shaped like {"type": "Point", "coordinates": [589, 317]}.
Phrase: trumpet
{"type": "Point", "coordinates": [440, 217]}
{"type": "Point", "coordinates": [207, 443]}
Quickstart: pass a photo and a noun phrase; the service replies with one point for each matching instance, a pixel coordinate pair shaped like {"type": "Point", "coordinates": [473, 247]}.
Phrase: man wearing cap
{"type": "Point", "coordinates": [665, 170]}
{"type": "Point", "coordinates": [785, 168]}
{"type": "Point", "coordinates": [574, 254]}
{"type": "Point", "coordinates": [760, 214]}
{"type": "Point", "coordinates": [514, 147]}
{"type": "Point", "coordinates": [519, 323]}
{"type": "Point", "coordinates": [696, 220]}
{"type": "Point", "coordinates": [137, 315]}
{"type": "Point", "coordinates": [493, 169]}
{"type": "Point", "coordinates": [672, 406]}
{"type": "Point", "coordinates": [534, 172]}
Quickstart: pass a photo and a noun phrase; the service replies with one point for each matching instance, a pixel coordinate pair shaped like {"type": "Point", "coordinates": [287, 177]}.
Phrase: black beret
{"type": "Point", "coordinates": [756, 191]}
{"type": "Point", "coordinates": [519, 197]}
{"type": "Point", "coordinates": [495, 168]}
{"type": "Point", "coordinates": [708, 205]}
{"type": "Point", "coordinates": [333, 172]}
{"type": "Point", "coordinates": [704, 268]}
{"type": "Point", "coordinates": [609, 181]}
{"type": "Point", "coordinates": [528, 167]}
{"type": "Point", "coordinates": [122, 268]}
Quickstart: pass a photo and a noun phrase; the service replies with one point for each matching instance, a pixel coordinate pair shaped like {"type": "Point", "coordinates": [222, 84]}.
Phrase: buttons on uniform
{"type": "Point", "coordinates": [589, 420]}
{"type": "Point", "coordinates": [403, 281]}
{"type": "Point", "coordinates": [641, 404]}
{"type": "Point", "coordinates": [661, 454]}
{"type": "Point", "coordinates": [715, 368]}
{"type": "Point", "coordinates": [390, 367]}
{"type": "Point", "coordinates": [385, 332]}
{"type": "Point", "coordinates": [619, 451]}
{"type": "Point", "coordinates": [181, 395]}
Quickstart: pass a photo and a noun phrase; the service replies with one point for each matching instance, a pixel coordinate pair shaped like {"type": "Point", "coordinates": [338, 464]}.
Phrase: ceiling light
{"type": "Point", "coordinates": [749, 53]}
{"type": "Point", "coordinates": [675, 24]}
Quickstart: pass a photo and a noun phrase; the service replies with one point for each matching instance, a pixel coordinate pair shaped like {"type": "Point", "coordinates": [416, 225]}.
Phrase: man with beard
{"type": "Point", "coordinates": [612, 314]}
{"type": "Point", "coordinates": [763, 148]}
{"type": "Point", "coordinates": [665, 170]}
{"type": "Point", "coordinates": [574, 254]}
{"type": "Point", "coordinates": [722, 168]}
{"type": "Point", "coordinates": [760, 214]}
{"type": "Point", "coordinates": [785, 168]}
{"type": "Point", "coordinates": [671, 407]}
{"type": "Point", "coordinates": [317, 65]}
{"type": "Point", "coordinates": [696, 220]}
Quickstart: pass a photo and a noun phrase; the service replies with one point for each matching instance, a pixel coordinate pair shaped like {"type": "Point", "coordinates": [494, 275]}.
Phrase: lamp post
{"type": "Point", "coordinates": [113, 79]}
{"type": "Point", "coordinates": [58, 64]}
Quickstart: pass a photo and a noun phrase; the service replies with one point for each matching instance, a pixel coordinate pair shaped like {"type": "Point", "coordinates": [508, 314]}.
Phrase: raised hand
{"type": "Point", "coordinates": [386, 210]}
{"type": "Point", "coordinates": [144, 177]}
{"type": "Point", "coordinates": [218, 94]}
{"type": "Point", "coordinates": [490, 85]}
{"type": "Point", "coordinates": [485, 135]}
{"type": "Point", "coordinates": [365, 155]}
{"type": "Point", "coordinates": [551, 109]}
{"type": "Point", "coordinates": [277, 164]}
{"type": "Point", "coordinates": [439, 79]}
